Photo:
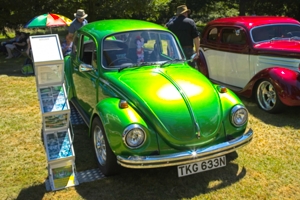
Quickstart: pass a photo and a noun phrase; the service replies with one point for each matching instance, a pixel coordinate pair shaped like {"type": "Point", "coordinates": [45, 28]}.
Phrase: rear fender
{"type": "Point", "coordinates": [285, 81]}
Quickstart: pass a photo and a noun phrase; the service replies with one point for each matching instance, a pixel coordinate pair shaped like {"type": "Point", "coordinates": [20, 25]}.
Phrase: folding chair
{"type": "Point", "coordinates": [19, 52]}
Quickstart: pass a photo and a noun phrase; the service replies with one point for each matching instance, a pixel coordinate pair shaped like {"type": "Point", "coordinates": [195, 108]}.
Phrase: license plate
{"type": "Point", "coordinates": [193, 168]}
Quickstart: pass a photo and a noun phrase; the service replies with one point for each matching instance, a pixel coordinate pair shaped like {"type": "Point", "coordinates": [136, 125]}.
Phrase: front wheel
{"type": "Point", "coordinates": [105, 157]}
{"type": "Point", "coordinates": [267, 97]}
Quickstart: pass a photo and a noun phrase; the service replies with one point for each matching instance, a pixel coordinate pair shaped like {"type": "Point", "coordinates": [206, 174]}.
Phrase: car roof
{"type": "Point", "coordinates": [253, 21]}
{"type": "Point", "coordinates": [103, 28]}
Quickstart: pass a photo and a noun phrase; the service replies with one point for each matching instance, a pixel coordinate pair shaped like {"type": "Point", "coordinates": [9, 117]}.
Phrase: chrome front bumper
{"type": "Point", "coordinates": [156, 161]}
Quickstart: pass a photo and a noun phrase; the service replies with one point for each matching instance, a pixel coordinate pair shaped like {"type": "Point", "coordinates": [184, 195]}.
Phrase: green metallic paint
{"type": "Point", "coordinates": [115, 120]}
{"type": "Point", "coordinates": [162, 100]}
{"type": "Point", "coordinates": [68, 78]}
{"type": "Point", "coordinates": [228, 100]}
{"type": "Point", "coordinates": [167, 101]}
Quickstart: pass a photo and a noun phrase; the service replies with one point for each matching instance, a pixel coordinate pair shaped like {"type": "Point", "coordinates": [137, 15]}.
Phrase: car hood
{"type": "Point", "coordinates": [179, 102]}
{"type": "Point", "coordinates": [289, 47]}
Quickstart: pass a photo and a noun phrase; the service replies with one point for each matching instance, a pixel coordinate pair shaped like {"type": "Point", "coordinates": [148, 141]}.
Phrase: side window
{"type": "Point", "coordinates": [233, 36]}
{"type": "Point", "coordinates": [213, 35]}
{"type": "Point", "coordinates": [94, 60]}
{"type": "Point", "coordinates": [75, 43]}
{"type": "Point", "coordinates": [88, 53]}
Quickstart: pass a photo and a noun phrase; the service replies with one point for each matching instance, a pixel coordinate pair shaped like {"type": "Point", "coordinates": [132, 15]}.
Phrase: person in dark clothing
{"type": "Point", "coordinates": [77, 23]}
{"type": "Point", "coordinates": [186, 31]}
{"type": "Point", "coordinates": [21, 44]}
{"type": "Point", "coordinates": [15, 39]}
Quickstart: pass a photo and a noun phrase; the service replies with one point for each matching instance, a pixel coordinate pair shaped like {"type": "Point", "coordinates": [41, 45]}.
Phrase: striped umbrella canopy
{"type": "Point", "coordinates": [48, 20]}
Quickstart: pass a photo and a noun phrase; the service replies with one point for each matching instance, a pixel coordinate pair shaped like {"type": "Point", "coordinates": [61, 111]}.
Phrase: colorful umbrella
{"type": "Point", "coordinates": [48, 20]}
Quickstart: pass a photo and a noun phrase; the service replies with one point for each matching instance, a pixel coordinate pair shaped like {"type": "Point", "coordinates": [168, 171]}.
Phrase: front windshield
{"type": "Point", "coordinates": [275, 32]}
{"type": "Point", "coordinates": [136, 47]}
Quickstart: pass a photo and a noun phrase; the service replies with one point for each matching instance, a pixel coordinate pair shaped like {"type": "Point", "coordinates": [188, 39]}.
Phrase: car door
{"type": "Point", "coordinates": [228, 59]}
{"type": "Point", "coordinates": [85, 74]}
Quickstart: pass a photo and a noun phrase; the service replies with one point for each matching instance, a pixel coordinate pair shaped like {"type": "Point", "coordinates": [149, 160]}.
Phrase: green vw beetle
{"type": "Point", "coordinates": [145, 106]}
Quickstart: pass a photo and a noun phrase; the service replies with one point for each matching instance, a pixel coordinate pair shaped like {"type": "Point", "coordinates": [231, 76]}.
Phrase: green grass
{"type": "Point", "coordinates": [268, 168]}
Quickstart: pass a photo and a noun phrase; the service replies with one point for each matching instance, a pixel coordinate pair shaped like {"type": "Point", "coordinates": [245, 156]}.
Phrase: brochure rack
{"type": "Point", "coordinates": [59, 146]}
{"type": "Point", "coordinates": [48, 63]}
{"type": "Point", "coordinates": [54, 106]}
{"type": "Point", "coordinates": [62, 175]}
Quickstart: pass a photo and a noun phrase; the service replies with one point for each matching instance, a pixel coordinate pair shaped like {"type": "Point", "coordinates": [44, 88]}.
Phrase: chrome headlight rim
{"type": "Point", "coordinates": [126, 134]}
{"type": "Point", "coordinates": [235, 112]}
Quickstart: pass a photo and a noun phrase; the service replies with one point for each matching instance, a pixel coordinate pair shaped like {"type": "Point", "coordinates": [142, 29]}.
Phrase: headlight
{"type": "Point", "coordinates": [239, 115]}
{"type": "Point", "coordinates": [134, 136]}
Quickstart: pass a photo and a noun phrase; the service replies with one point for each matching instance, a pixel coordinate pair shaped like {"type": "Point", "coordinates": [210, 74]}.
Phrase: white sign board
{"type": "Point", "coordinates": [46, 48]}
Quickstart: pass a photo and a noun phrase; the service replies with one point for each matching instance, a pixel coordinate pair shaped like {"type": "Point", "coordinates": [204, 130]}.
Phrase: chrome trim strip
{"type": "Point", "coordinates": [156, 161]}
{"type": "Point", "coordinates": [130, 128]}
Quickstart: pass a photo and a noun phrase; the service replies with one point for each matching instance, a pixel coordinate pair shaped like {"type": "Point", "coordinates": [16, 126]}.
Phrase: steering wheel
{"type": "Point", "coordinates": [118, 59]}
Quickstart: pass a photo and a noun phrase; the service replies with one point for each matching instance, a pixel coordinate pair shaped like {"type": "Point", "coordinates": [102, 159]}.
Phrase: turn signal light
{"type": "Point", "coordinates": [222, 89]}
{"type": "Point", "coordinates": [123, 104]}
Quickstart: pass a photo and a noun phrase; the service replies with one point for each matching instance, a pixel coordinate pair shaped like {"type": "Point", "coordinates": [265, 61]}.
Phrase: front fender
{"type": "Point", "coordinates": [115, 119]}
{"type": "Point", "coordinates": [285, 81]}
{"type": "Point", "coordinates": [228, 100]}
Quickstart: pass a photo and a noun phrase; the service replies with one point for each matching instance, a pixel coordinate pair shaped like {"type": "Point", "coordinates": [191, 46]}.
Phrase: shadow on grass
{"type": "Point", "coordinates": [34, 192]}
{"type": "Point", "coordinates": [289, 117]}
{"type": "Point", "coordinates": [160, 183]}
{"type": "Point", "coordinates": [11, 67]}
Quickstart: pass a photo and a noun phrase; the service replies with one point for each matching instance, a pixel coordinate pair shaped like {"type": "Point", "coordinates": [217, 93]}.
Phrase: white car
{"type": "Point", "coordinates": [254, 56]}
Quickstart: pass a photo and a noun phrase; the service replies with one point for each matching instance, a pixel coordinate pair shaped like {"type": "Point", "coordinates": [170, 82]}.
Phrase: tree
{"type": "Point", "coordinates": [19, 12]}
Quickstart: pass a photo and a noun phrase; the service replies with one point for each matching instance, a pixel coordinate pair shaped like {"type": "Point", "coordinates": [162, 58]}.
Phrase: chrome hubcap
{"type": "Point", "coordinates": [266, 95]}
{"type": "Point", "coordinates": [99, 145]}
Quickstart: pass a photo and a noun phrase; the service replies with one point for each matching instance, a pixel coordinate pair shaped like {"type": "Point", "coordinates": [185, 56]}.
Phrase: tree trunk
{"type": "Point", "coordinates": [242, 7]}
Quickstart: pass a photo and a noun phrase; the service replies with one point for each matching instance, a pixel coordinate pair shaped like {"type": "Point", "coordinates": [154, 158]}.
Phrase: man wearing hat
{"type": "Point", "coordinates": [78, 22]}
{"type": "Point", "coordinates": [186, 31]}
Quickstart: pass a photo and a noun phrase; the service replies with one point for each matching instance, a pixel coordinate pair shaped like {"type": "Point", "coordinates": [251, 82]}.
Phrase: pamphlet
{"type": "Point", "coordinates": [59, 145]}
{"type": "Point", "coordinates": [63, 176]}
{"type": "Point", "coordinates": [53, 99]}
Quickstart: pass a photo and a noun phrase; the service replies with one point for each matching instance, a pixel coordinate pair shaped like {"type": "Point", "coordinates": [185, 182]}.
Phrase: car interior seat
{"type": "Point", "coordinates": [88, 49]}
{"type": "Point", "coordinates": [236, 39]}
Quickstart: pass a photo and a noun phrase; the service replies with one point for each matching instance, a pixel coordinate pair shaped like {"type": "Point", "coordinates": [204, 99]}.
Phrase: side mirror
{"type": "Point", "coordinates": [85, 68]}
{"type": "Point", "coordinates": [191, 61]}
{"type": "Point", "coordinates": [193, 57]}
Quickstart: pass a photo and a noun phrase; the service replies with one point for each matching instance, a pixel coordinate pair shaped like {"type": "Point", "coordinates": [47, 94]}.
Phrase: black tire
{"type": "Point", "coordinates": [267, 97]}
{"type": "Point", "coordinates": [105, 157]}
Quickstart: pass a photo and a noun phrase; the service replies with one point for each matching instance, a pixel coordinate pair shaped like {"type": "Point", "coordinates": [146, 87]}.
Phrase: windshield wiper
{"type": "Point", "coordinates": [125, 66]}
{"type": "Point", "coordinates": [171, 61]}
{"type": "Point", "coordinates": [276, 38]}
{"type": "Point", "coordinates": [136, 65]}
{"type": "Point", "coordinates": [295, 38]}
{"type": "Point", "coordinates": [146, 63]}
